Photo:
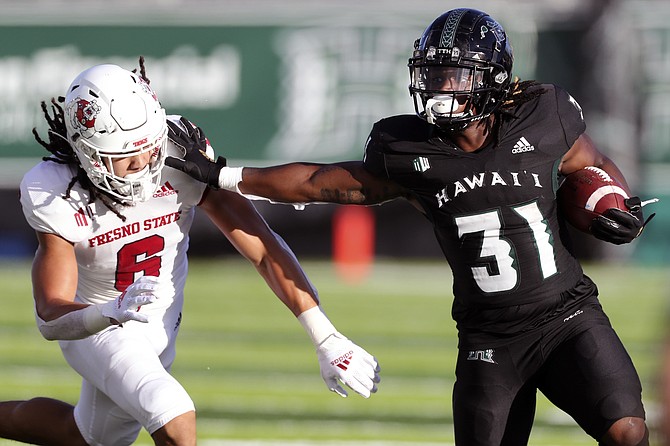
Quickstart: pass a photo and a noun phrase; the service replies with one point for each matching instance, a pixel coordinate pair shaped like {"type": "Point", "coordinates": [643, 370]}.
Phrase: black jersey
{"type": "Point", "coordinates": [493, 211]}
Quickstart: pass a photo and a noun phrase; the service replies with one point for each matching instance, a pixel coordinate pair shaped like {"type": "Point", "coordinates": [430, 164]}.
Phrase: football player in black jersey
{"type": "Point", "coordinates": [482, 159]}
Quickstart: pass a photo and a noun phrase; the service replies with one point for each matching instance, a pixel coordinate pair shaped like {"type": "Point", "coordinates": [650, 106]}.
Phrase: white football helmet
{"type": "Point", "coordinates": [113, 113]}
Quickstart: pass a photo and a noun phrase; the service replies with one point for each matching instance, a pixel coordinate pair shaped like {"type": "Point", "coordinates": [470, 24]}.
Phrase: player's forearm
{"type": "Point", "coordinates": [77, 324]}
{"type": "Point", "coordinates": [52, 308]}
{"type": "Point", "coordinates": [296, 296]}
{"type": "Point", "coordinates": [608, 166]}
{"type": "Point", "coordinates": [284, 275]}
{"type": "Point", "coordinates": [299, 183]}
{"type": "Point", "coordinates": [290, 183]}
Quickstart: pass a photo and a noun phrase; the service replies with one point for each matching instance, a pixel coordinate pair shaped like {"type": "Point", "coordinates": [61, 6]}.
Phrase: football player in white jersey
{"type": "Point", "coordinates": [108, 276]}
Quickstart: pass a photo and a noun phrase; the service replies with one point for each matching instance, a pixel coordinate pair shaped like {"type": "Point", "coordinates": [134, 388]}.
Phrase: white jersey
{"type": "Point", "coordinates": [126, 381]}
{"type": "Point", "coordinates": [111, 253]}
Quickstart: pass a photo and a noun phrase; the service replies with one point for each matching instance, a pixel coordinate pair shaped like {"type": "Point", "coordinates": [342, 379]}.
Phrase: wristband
{"type": "Point", "coordinates": [229, 177]}
{"type": "Point", "coordinates": [93, 319]}
{"type": "Point", "coordinates": [316, 324]}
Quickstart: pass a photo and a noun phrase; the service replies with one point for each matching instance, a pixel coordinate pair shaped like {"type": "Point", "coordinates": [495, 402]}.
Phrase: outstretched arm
{"type": "Point", "coordinates": [236, 217]}
{"type": "Point", "coordinates": [239, 221]}
{"type": "Point", "coordinates": [344, 183]}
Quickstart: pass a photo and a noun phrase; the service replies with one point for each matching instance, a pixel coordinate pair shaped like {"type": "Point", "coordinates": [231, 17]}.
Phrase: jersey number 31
{"type": "Point", "coordinates": [493, 245]}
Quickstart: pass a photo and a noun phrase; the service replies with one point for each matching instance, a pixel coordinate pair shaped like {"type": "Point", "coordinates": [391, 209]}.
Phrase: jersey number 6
{"type": "Point", "coordinates": [137, 257]}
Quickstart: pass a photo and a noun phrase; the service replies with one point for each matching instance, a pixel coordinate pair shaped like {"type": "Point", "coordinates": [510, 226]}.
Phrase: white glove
{"type": "Point", "coordinates": [343, 361]}
{"type": "Point", "coordinates": [127, 305]}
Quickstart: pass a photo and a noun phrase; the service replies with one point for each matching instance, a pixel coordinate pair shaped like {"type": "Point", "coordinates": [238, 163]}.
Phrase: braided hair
{"type": "Point", "coordinates": [62, 152]}
{"type": "Point", "coordinates": [519, 93]}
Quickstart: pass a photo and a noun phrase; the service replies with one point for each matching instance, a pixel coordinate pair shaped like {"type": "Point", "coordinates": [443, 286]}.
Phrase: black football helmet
{"type": "Point", "coordinates": [461, 68]}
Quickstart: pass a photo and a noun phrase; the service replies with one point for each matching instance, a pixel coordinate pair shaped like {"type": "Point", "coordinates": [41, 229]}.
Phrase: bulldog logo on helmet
{"type": "Point", "coordinates": [82, 115]}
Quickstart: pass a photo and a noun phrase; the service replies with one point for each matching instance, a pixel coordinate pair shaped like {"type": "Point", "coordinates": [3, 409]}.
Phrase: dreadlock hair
{"type": "Point", "coordinates": [62, 152]}
{"type": "Point", "coordinates": [519, 93]}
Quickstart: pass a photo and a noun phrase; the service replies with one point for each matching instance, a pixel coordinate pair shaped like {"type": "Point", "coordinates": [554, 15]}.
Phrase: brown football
{"type": "Point", "coordinates": [587, 193]}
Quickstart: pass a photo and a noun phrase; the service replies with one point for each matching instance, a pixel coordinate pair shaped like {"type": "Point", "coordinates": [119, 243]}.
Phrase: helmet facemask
{"type": "Point", "coordinates": [133, 187]}
{"type": "Point", "coordinates": [449, 94]}
{"type": "Point", "coordinates": [111, 113]}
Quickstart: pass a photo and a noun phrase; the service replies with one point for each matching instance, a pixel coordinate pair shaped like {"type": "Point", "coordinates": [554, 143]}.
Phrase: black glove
{"type": "Point", "coordinates": [196, 163]}
{"type": "Point", "coordinates": [619, 227]}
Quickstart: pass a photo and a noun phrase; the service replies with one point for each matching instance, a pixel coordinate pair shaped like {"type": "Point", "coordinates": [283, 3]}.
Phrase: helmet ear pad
{"type": "Point", "coordinates": [462, 39]}
{"type": "Point", "coordinates": [113, 113]}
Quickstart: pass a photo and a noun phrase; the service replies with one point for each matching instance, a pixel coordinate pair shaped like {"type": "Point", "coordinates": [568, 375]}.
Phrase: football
{"type": "Point", "coordinates": [587, 193]}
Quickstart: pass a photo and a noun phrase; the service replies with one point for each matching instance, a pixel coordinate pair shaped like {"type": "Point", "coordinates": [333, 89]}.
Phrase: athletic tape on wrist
{"type": "Point", "coordinates": [316, 324]}
{"type": "Point", "coordinates": [229, 177]}
{"type": "Point", "coordinates": [94, 321]}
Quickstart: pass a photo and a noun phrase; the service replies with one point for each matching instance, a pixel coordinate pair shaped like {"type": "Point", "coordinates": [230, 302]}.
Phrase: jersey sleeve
{"type": "Point", "coordinates": [570, 115]}
{"type": "Point", "coordinates": [374, 160]}
{"type": "Point", "coordinates": [31, 196]}
{"type": "Point", "coordinates": [41, 195]}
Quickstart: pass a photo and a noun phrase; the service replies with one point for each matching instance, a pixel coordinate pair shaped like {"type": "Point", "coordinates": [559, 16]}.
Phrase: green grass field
{"type": "Point", "coordinates": [254, 376]}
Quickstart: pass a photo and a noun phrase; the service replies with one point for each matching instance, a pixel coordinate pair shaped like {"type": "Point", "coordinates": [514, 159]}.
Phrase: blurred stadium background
{"type": "Point", "coordinates": [273, 81]}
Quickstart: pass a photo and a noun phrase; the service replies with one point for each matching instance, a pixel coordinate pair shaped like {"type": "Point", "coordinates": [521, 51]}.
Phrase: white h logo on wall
{"type": "Point", "coordinates": [336, 83]}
